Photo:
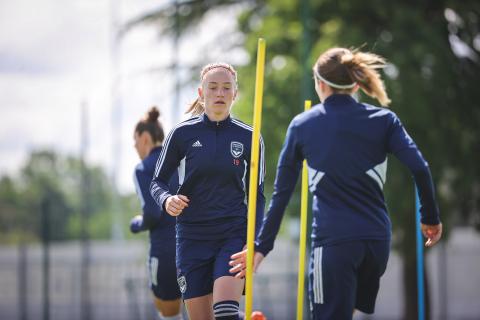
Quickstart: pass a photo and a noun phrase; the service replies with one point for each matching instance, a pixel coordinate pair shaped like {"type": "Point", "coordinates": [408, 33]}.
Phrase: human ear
{"type": "Point", "coordinates": [355, 89]}
{"type": "Point", "coordinates": [322, 85]}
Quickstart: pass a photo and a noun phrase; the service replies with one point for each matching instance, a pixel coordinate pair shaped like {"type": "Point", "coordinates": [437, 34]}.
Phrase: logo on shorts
{"type": "Point", "coordinates": [236, 149]}
{"type": "Point", "coordinates": [182, 283]}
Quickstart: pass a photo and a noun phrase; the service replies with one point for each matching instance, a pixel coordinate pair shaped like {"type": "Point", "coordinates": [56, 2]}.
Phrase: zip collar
{"type": "Point", "coordinates": [216, 124]}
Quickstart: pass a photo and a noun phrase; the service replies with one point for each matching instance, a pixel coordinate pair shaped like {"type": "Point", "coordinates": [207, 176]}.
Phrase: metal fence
{"type": "Point", "coordinates": [117, 285]}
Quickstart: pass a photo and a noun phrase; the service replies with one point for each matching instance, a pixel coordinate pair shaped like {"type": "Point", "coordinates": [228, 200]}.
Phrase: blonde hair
{"type": "Point", "coordinates": [196, 107]}
{"type": "Point", "coordinates": [343, 68]}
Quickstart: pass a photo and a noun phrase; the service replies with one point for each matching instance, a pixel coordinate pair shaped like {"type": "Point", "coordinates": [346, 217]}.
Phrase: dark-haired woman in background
{"type": "Point", "coordinates": [148, 136]}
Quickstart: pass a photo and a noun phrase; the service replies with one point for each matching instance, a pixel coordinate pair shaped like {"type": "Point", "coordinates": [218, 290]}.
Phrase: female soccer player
{"type": "Point", "coordinates": [211, 152]}
{"type": "Point", "coordinates": [148, 136]}
{"type": "Point", "coordinates": [345, 144]}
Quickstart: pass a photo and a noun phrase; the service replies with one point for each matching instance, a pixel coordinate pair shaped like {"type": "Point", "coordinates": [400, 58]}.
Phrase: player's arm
{"type": "Point", "coordinates": [288, 169]}
{"type": "Point", "coordinates": [405, 149]}
{"type": "Point", "coordinates": [167, 163]}
{"type": "Point", "coordinates": [151, 215]}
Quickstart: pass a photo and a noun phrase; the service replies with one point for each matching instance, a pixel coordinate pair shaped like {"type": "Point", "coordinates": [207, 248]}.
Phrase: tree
{"type": "Point", "coordinates": [11, 208]}
{"type": "Point", "coordinates": [48, 176]}
{"type": "Point", "coordinates": [41, 180]}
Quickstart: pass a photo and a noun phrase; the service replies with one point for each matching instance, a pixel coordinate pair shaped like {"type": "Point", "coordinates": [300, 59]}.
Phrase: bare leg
{"type": "Point", "coordinates": [227, 288]}
{"type": "Point", "coordinates": [227, 291]}
{"type": "Point", "coordinates": [200, 308]}
{"type": "Point", "coordinates": [167, 308]}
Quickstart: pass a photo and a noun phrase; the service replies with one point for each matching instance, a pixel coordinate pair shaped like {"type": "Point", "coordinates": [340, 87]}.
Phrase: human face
{"type": "Point", "coordinates": [142, 144]}
{"type": "Point", "coordinates": [218, 91]}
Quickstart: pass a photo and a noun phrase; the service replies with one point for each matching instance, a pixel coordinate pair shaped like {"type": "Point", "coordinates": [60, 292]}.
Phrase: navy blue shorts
{"type": "Point", "coordinates": [201, 262]}
{"type": "Point", "coordinates": [162, 272]}
{"type": "Point", "coordinates": [346, 276]}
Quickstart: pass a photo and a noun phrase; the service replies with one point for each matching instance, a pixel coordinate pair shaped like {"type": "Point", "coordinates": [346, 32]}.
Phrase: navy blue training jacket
{"type": "Point", "coordinates": [160, 224]}
{"type": "Point", "coordinates": [345, 144]}
{"type": "Point", "coordinates": [213, 163]}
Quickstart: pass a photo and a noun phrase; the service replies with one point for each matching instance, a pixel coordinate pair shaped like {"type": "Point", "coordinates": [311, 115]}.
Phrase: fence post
{"type": "Point", "coordinates": [45, 212]}
{"type": "Point", "coordinates": [420, 279]}
{"type": "Point", "coordinates": [22, 281]}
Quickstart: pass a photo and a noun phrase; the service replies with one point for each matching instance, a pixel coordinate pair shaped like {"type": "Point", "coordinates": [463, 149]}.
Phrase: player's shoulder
{"type": "Point", "coordinates": [379, 112]}
{"type": "Point", "coordinates": [182, 128]}
{"type": "Point", "coordinates": [313, 114]}
{"type": "Point", "coordinates": [187, 124]}
{"type": "Point", "coordinates": [245, 129]}
{"type": "Point", "coordinates": [149, 163]}
{"type": "Point", "coordinates": [241, 125]}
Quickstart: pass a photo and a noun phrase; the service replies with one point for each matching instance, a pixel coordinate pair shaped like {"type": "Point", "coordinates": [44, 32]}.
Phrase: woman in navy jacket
{"type": "Point", "coordinates": [346, 144]}
{"type": "Point", "coordinates": [148, 136]}
{"type": "Point", "coordinates": [211, 152]}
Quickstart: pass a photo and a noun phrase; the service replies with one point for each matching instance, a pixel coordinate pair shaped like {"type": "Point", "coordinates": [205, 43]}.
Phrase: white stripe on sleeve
{"type": "Point", "coordinates": [137, 184]}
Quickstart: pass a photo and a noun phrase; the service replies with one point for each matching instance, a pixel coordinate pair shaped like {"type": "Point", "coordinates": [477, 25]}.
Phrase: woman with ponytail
{"type": "Point", "coordinates": [148, 136]}
{"type": "Point", "coordinates": [345, 144]}
{"type": "Point", "coordinates": [211, 152]}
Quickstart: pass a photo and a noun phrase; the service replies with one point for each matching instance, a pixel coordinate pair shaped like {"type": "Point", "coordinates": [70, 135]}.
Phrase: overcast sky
{"type": "Point", "coordinates": [55, 54]}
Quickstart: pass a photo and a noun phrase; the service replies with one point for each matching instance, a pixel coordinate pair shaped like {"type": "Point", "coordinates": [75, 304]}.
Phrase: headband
{"type": "Point", "coordinates": [213, 66]}
{"type": "Point", "coordinates": [331, 84]}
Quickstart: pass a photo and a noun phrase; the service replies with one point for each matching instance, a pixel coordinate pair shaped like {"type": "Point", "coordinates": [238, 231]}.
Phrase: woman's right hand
{"type": "Point", "coordinates": [239, 263]}
{"type": "Point", "coordinates": [433, 233]}
{"type": "Point", "coordinates": [174, 205]}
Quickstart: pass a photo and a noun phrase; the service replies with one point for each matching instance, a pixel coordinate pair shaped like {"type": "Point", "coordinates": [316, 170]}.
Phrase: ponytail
{"type": "Point", "coordinates": [196, 107]}
{"type": "Point", "coordinates": [362, 67]}
{"type": "Point", "coordinates": [341, 69]}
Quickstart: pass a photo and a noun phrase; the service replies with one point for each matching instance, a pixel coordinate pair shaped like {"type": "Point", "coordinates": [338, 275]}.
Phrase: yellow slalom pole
{"type": "Point", "coordinates": [252, 191]}
{"type": "Point", "coordinates": [303, 233]}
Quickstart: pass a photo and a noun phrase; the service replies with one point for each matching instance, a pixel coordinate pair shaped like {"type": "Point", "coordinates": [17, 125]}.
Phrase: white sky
{"type": "Point", "coordinates": [55, 54]}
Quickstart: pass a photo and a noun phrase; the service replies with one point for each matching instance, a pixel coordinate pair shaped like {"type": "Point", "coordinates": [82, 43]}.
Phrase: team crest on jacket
{"type": "Point", "coordinates": [236, 149]}
{"type": "Point", "coordinates": [182, 283]}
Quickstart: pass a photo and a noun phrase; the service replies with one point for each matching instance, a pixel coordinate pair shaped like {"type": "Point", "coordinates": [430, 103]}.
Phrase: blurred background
{"type": "Point", "coordinates": [76, 76]}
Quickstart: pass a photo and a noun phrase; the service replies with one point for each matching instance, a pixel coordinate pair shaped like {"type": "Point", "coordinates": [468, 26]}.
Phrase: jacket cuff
{"type": "Point", "coordinates": [263, 250]}
{"type": "Point", "coordinates": [432, 221]}
{"type": "Point", "coordinates": [164, 198]}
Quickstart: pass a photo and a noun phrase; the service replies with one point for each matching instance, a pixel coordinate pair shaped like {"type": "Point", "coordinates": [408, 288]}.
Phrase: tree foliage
{"type": "Point", "coordinates": [48, 177]}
